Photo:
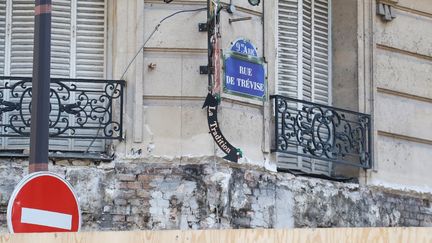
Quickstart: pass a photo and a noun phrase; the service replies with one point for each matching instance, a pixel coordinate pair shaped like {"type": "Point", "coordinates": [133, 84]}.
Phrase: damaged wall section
{"type": "Point", "coordinates": [209, 193]}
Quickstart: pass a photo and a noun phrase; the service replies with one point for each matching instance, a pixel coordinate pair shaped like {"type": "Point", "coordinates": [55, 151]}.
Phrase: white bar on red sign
{"type": "Point", "coordinates": [46, 218]}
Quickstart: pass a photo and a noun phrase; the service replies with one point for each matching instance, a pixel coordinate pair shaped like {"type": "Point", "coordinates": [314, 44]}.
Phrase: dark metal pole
{"type": "Point", "coordinates": [40, 107]}
{"type": "Point", "coordinates": [209, 44]}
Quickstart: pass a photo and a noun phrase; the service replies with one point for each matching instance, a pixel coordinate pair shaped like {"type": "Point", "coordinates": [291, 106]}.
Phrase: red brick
{"type": "Point", "coordinates": [145, 178]}
{"type": "Point", "coordinates": [126, 177]}
{"type": "Point", "coordinates": [143, 193]}
{"type": "Point", "coordinates": [147, 186]}
{"type": "Point", "coordinates": [134, 185]}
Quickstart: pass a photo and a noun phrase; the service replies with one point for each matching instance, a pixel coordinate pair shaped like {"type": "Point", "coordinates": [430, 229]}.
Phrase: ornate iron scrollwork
{"type": "Point", "coordinates": [76, 111]}
{"type": "Point", "coordinates": [322, 132]}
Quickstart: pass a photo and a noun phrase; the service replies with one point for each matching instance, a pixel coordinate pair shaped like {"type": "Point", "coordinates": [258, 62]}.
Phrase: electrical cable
{"type": "Point", "coordinates": [136, 55]}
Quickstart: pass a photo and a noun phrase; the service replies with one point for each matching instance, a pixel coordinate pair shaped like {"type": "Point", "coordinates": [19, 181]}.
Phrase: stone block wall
{"type": "Point", "coordinates": [209, 193]}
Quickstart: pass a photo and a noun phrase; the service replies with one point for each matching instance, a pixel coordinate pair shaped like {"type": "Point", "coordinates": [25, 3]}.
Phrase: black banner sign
{"type": "Point", "coordinates": [232, 152]}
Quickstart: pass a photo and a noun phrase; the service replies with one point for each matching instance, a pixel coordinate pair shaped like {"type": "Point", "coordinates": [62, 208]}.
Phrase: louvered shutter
{"type": "Point", "coordinates": [90, 55]}
{"type": "Point", "coordinates": [289, 49]}
{"type": "Point", "coordinates": [3, 31]}
{"type": "Point", "coordinates": [90, 52]}
{"type": "Point", "coordinates": [321, 56]}
{"type": "Point", "coordinates": [2, 35]}
{"type": "Point", "coordinates": [315, 47]}
{"type": "Point", "coordinates": [303, 66]}
{"type": "Point", "coordinates": [21, 63]}
{"type": "Point", "coordinates": [307, 50]}
{"type": "Point", "coordinates": [77, 51]}
{"type": "Point", "coordinates": [61, 41]}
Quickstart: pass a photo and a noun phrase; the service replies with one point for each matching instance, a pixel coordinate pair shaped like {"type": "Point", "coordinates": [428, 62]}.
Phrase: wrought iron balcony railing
{"type": "Point", "coordinates": [322, 132]}
{"type": "Point", "coordinates": [79, 108]}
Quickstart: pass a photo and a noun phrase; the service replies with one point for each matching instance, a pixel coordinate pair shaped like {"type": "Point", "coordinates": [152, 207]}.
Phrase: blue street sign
{"type": "Point", "coordinates": [244, 76]}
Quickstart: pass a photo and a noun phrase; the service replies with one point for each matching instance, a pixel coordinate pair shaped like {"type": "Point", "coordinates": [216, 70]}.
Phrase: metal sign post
{"type": "Point", "coordinates": [214, 82]}
{"type": "Point", "coordinates": [40, 107]}
{"type": "Point", "coordinates": [209, 43]}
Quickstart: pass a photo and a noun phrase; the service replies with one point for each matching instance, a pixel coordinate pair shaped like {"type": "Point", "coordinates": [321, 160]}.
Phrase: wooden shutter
{"type": "Point", "coordinates": [321, 52]}
{"type": "Point", "coordinates": [315, 33]}
{"type": "Point", "coordinates": [2, 35]}
{"type": "Point", "coordinates": [77, 51]}
{"type": "Point", "coordinates": [90, 41]}
{"type": "Point", "coordinates": [303, 65]}
{"type": "Point", "coordinates": [21, 60]}
{"type": "Point", "coordinates": [288, 51]}
{"type": "Point", "coordinates": [90, 55]}
{"type": "Point", "coordinates": [61, 36]}
{"type": "Point", "coordinates": [61, 41]}
{"type": "Point", "coordinates": [21, 63]}
{"type": "Point", "coordinates": [289, 66]}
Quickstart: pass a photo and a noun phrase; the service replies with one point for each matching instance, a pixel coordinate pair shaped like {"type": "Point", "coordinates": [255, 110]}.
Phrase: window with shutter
{"type": "Point", "coordinates": [90, 55]}
{"type": "Point", "coordinates": [2, 34]}
{"type": "Point", "coordinates": [3, 59]}
{"type": "Point", "coordinates": [77, 51]}
{"type": "Point", "coordinates": [304, 65]}
{"type": "Point", "coordinates": [19, 58]}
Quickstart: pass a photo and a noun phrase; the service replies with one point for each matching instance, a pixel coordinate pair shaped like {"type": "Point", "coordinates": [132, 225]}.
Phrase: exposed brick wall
{"type": "Point", "coordinates": [202, 194]}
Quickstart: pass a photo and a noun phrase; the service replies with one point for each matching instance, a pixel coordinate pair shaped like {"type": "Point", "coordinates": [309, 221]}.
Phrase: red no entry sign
{"type": "Point", "coordinates": [43, 202]}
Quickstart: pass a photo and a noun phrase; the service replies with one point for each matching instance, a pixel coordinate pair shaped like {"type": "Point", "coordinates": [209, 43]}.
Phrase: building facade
{"type": "Point", "coordinates": [340, 137]}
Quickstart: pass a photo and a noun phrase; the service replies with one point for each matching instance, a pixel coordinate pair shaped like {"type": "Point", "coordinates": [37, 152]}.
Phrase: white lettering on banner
{"type": "Point", "coordinates": [218, 137]}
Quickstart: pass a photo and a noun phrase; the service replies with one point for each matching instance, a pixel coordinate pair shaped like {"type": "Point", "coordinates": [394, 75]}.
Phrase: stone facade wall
{"type": "Point", "coordinates": [203, 193]}
{"type": "Point", "coordinates": [174, 85]}
{"type": "Point", "coordinates": [402, 95]}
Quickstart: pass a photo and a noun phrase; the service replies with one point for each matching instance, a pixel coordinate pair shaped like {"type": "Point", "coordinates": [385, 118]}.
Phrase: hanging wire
{"type": "Point", "coordinates": [136, 55]}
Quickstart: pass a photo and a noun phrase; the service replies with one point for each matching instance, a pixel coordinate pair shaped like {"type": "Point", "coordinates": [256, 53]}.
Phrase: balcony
{"type": "Point", "coordinates": [80, 109]}
{"type": "Point", "coordinates": [321, 133]}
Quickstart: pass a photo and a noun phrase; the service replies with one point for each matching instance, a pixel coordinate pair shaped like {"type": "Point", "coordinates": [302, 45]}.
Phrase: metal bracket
{"type": "Point", "coordinates": [239, 19]}
{"type": "Point", "coordinates": [386, 11]}
{"type": "Point", "coordinates": [202, 27]}
{"type": "Point", "coordinates": [205, 70]}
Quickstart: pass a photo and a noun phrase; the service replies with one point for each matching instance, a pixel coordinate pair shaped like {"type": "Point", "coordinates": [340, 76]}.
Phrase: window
{"type": "Point", "coordinates": [304, 70]}
{"type": "Point", "coordinates": [78, 51]}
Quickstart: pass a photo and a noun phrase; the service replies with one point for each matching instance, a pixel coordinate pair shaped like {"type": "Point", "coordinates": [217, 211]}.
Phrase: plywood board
{"type": "Point", "coordinates": [334, 235]}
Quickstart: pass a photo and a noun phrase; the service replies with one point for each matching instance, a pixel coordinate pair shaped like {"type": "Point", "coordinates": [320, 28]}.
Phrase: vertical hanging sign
{"type": "Point", "coordinates": [233, 153]}
{"type": "Point", "coordinates": [214, 75]}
